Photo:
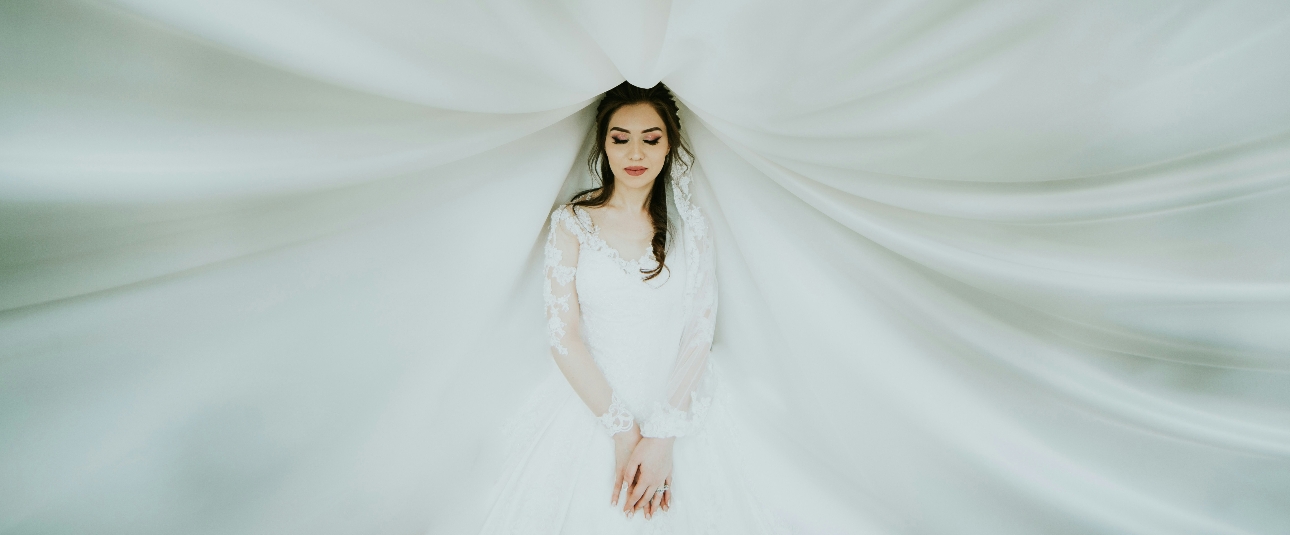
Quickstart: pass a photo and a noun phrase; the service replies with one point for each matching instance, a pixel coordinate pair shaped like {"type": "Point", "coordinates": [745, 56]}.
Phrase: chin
{"type": "Point", "coordinates": [634, 182]}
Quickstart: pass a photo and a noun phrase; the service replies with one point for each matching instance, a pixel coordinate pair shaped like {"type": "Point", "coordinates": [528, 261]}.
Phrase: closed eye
{"type": "Point", "coordinates": [618, 141]}
{"type": "Point", "coordinates": [651, 141]}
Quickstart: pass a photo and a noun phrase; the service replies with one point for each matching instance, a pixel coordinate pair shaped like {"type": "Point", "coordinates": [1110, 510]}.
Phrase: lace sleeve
{"type": "Point", "coordinates": [686, 403]}
{"type": "Point", "coordinates": [558, 292]}
{"type": "Point", "coordinates": [563, 318]}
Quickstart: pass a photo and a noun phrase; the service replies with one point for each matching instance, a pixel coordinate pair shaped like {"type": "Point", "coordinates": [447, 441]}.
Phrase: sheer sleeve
{"type": "Point", "coordinates": [558, 292]}
{"type": "Point", "coordinates": [563, 317]}
{"type": "Point", "coordinates": [686, 402]}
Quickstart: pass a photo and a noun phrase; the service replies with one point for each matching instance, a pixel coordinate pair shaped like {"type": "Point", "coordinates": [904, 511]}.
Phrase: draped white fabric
{"type": "Point", "coordinates": [274, 266]}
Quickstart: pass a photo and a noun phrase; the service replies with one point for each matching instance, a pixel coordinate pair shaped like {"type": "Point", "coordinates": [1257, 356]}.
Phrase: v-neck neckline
{"type": "Point", "coordinates": [631, 266]}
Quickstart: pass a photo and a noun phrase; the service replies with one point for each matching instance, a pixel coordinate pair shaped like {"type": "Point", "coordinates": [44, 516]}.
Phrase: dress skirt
{"type": "Point", "coordinates": [558, 474]}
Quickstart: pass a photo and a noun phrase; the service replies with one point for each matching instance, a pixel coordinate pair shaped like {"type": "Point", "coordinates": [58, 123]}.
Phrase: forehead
{"type": "Point", "coordinates": [636, 117]}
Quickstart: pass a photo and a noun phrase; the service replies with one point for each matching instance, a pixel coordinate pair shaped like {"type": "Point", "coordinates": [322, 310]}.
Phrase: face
{"type": "Point", "coordinates": [636, 145]}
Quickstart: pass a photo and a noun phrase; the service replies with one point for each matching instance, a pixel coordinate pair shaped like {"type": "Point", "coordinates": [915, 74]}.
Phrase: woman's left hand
{"type": "Point", "coordinates": [653, 459]}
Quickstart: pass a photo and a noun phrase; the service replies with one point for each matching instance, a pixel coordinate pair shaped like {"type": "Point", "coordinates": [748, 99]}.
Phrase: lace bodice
{"type": "Point", "coordinates": [651, 338]}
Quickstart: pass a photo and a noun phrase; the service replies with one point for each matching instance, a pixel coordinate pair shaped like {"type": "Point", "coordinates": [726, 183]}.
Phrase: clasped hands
{"type": "Point", "coordinates": [643, 465]}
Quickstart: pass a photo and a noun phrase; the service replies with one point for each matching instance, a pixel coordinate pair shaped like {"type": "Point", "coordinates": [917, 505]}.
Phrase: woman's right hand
{"type": "Point", "coordinates": [624, 443]}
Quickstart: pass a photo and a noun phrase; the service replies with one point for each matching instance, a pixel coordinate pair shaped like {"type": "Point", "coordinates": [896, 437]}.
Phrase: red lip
{"type": "Point", "coordinates": [634, 171]}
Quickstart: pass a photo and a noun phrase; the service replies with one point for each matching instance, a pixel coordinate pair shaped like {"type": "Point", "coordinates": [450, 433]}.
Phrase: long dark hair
{"type": "Point", "coordinates": [678, 153]}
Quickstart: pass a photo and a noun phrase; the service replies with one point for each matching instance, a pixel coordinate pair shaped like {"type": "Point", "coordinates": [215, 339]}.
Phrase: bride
{"type": "Point", "coordinates": [631, 435]}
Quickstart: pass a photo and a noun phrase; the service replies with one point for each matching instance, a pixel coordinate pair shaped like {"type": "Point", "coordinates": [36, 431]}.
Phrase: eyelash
{"type": "Point", "coordinates": [648, 141]}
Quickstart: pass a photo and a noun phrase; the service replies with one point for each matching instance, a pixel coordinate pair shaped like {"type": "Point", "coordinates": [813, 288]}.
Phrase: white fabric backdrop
{"type": "Point", "coordinates": [987, 267]}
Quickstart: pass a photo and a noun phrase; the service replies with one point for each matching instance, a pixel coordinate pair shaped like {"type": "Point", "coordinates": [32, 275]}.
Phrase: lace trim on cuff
{"type": "Point", "coordinates": [617, 419]}
{"type": "Point", "coordinates": [669, 421]}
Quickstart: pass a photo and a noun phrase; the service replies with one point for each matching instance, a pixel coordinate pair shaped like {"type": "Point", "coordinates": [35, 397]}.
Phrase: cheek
{"type": "Point", "coordinates": [615, 154]}
{"type": "Point", "coordinates": [658, 152]}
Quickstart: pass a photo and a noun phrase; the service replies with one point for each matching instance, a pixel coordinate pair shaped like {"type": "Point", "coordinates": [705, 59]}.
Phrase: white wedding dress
{"type": "Point", "coordinates": [651, 340]}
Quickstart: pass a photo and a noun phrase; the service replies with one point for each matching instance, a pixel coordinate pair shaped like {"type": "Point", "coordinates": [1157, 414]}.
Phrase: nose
{"type": "Point", "coordinates": [635, 153]}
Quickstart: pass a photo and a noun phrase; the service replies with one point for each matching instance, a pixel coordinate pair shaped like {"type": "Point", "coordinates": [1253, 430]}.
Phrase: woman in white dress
{"type": "Point", "coordinates": [630, 436]}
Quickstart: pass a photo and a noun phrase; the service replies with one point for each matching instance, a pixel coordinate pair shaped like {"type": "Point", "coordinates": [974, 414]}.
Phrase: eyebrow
{"type": "Point", "coordinates": [642, 131]}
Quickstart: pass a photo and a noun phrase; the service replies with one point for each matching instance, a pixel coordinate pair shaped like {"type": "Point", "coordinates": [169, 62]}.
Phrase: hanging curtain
{"type": "Point", "coordinates": [273, 266]}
